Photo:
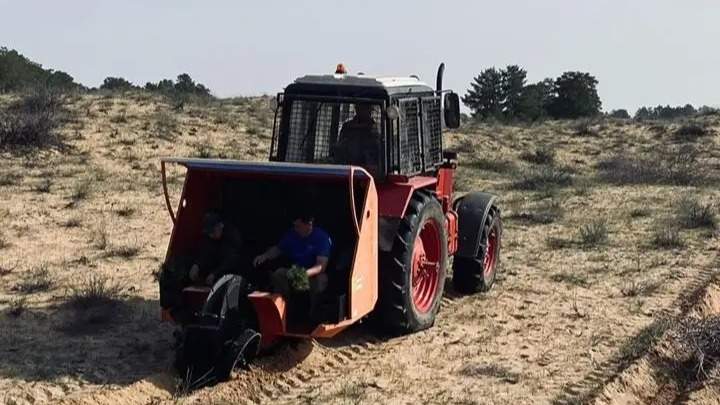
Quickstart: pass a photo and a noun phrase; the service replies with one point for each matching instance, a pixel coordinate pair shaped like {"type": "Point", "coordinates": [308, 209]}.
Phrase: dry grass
{"type": "Point", "coordinates": [593, 234]}
{"type": "Point", "coordinates": [81, 190]}
{"type": "Point", "coordinates": [4, 242]}
{"type": "Point", "coordinates": [691, 213]}
{"type": "Point", "coordinates": [546, 212]}
{"type": "Point", "coordinates": [43, 186]}
{"type": "Point", "coordinates": [123, 251]}
{"type": "Point", "coordinates": [36, 280]}
{"type": "Point", "coordinates": [93, 292]}
{"type": "Point", "coordinates": [544, 178]}
{"type": "Point", "coordinates": [675, 166]}
{"type": "Point", "coordinates": [542, 156]}
{"type": "Point", "coordinates": [16, 307]}
{"type": "Point", "coordinates": [666, 236]}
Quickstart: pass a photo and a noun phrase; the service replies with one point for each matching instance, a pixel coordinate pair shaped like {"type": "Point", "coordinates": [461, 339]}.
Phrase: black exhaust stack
{"type": "Point", "coordinates": [438, 83]}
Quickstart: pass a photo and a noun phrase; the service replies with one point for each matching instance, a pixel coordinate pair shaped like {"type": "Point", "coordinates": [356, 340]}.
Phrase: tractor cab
{"type": "Point", "coordinates": [391, 126]}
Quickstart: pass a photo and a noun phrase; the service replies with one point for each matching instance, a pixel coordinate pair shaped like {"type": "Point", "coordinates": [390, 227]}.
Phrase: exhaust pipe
{"type": "Point", "coordinates": [438, 83]}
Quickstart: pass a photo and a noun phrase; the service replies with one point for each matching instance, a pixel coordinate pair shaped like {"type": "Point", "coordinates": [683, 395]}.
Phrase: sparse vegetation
{"type": "Point", "coordinates": [676, 166]}
{"type": "Point", "coordinates": [494, 165]}
{"type": "Point", "coordinates": [17, 307]}
{"type": "Point", "coordinates": [546, 212]}
{"type": "Point", "coordinates": [555, 243]}
{"type": "Point", "coordinates": [4, 243]}
{"type": "Point", "coordinates": [481, 370]}
{"type": "Point", "coordinates": [665, 236]}
{"type": "Point", "coordinates": [125, 211]}
{"type": "Point", "coordinates": [31, 122]}
{"type": "Point", "coordinates": [93, 292]}
{"type": "Point", "coordinates": [100, 238]}
{"type": "Point", "coordinates": [43, 186]}
{"type": "Point", "coordinates": [542, 156]}
{"type": "Point", "coordinates": [635, 288]}
{"type": "Point", "coordinates": [72, 222]}
{"type": "Point", "coordinates": [165, 125]}
{"type": "Point", "coordinates": [36, 280]}
{"type": "Point", "coordinates": [691, 213]}
{"type": "Point", "coordinates": [123, 251]}
{"type": "Point", "coordinates": [8, 179]}
{"type": "Point", "coordinates": [690, 132]}
{"type": "Point", "coordinates": [640, 212]}
{"type": "Point", "coordinates": [579, 280]}
{"type": "Point", "coordinates": [593, 234]}
{"type": "Point", "coordinates": [543, 178]}
{"type": "Point", "coordinates": [81, 190]}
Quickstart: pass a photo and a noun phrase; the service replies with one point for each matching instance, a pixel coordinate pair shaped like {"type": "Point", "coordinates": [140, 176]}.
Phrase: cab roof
{"type": "Point", "coordinates": [357, 85]}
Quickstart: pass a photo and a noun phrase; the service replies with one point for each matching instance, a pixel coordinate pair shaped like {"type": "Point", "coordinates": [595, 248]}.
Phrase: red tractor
{"type": "Point", "coordinates": [386, 199]}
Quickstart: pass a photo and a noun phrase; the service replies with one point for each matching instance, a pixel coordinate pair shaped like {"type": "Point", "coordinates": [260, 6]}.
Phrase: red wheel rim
{"type": "Point", "coordinates": [426, 267]}
{"type": "Point", "coordinates": [490, 259]}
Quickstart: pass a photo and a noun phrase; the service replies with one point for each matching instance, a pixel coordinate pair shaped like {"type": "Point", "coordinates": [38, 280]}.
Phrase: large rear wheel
{"type": "Point", "coordinates": [471, 275]}
{"type": "Point", "coordinates": [412, 274]}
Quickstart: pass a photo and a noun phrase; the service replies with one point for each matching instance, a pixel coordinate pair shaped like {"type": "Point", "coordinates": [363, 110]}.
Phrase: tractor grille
{"type": "Point", "coordinates": [409, 134]}
{"type": "Point", "coordinates": [418, 132]}
{"type": "Point", "coordinates": [432, 131]}
{"type": "Point", "coordinates": [318, 132]}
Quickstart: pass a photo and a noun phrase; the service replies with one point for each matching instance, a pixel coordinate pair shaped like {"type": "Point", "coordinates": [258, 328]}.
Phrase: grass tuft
{"type": "Point", "coordinates": [541, 156]}
{"type": "Point", "coordinates": [691, 214]}
{"type": "Point", "coordinates": [665, 236]}
{"type": "Point", "coordinates": [543, 178]}
{"type": "Point", "coordinates": [36, 280]}
{"type": "Point", "coordinates": [96, 291]}
{"type": "Point", "coordinates": [593, 234]}
{"type": "Point", "coordinates": [17, 307]}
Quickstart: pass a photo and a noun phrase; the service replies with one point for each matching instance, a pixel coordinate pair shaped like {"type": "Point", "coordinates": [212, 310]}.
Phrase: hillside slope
{"type": "Point", "coordinates": [599, 246]}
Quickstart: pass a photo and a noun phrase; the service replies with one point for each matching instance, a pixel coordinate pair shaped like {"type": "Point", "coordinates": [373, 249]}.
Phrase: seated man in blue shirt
{"type": "Point", "coordinates": [304, 245]}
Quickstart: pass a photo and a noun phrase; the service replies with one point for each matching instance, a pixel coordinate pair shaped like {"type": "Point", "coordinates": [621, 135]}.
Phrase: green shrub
{"type": "Point", "coordinates": [676, 166]}
{"type": "Point", "coordinates": [690, 132]}
{"type": "Point", "coordinates": [666, 237]}
{"type": "Point", "coordinates": [36, 280]}
{"type": "Point", "coordinates": [493, 165]}
{"type": "Point", "coordinates": [543, 178]}
{"type": "Point", "coordinates": [594, 233]}
{"type": "Point", "coordinates": [693, 214]}
{"type": "Point", "coordinates": [542, 156]}
{"type": "Point", "coordinates": [95, 291]}
{"type": "Point", "coordinates": [31, 122]}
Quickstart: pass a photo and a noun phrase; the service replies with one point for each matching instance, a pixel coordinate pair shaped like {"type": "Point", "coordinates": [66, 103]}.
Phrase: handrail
{"type": "Point", "coordinates": [165, 190]}
{"type": "Point", "coordinates": [352, 200]}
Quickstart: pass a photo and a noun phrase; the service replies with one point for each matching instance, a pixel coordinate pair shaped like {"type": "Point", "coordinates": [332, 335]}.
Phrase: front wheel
{"type": "Point", "coordinates": [471, 275]}
{"type": "Point", "coordinates": [412, 274]}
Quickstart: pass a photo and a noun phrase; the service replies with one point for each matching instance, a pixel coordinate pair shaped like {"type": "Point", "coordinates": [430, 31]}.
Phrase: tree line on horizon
{"type": "Point", "coordinates": [504, 95]}
{"type": "Point", "coordinates": [494, 94]}
{"type": "Point", "coordinates": [19, 73]}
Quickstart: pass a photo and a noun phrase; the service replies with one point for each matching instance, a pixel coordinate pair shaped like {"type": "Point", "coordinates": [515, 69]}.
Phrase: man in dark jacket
{"type": "Point", "coordinates": [358, 140]}
{"type": "Point", "coordinates": [219, 251]}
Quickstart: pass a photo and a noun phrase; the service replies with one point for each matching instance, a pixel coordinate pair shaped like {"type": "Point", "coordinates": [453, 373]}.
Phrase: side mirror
{"type": "Point", "coordinates": [393, 112]}
{"type": "Point", "coordinates": [452, 110]}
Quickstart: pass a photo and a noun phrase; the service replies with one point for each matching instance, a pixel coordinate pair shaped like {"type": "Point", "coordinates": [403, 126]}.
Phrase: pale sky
{"type": "Point", "coordinates": [643, 52]}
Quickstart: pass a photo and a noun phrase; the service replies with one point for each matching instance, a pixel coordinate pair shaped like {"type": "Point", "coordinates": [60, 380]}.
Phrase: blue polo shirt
{"type": "Point", "coordinates": [304, 251]}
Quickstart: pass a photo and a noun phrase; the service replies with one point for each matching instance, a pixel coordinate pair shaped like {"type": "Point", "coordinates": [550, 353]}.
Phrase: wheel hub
{"type": "Point", "coordinates": [426, 267]}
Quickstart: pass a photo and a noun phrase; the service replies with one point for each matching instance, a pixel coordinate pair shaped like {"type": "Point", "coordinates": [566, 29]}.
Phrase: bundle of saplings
{"type": "Point", "coordinates": [298, 280]}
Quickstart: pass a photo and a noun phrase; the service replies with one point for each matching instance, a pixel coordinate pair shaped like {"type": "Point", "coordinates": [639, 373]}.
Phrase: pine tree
{"type": "Point", "coordinates": [575, 96]}
{"type": "Point", "coordinates": [485, 96]}
{"type": "Point", "coordinates": [513, 83]}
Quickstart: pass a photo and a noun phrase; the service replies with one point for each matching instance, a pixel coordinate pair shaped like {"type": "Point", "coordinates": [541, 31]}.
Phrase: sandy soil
{"type": "Point", "coordinates": [565, 322]}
